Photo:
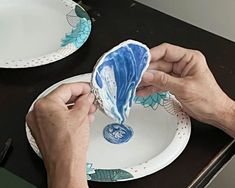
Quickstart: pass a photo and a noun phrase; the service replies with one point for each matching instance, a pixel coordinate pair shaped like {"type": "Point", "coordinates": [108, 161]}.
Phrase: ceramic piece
{"type": "Point", "coordinates": [114, 82]}
{"type": "Point", "coordinates": [117, 133]}
{"type": "Point", "coordinates": [35, 33]}
{"type": "Point", "coordinates": [161, 132]}
{"type": "Point", "coordinates": [116, 77]}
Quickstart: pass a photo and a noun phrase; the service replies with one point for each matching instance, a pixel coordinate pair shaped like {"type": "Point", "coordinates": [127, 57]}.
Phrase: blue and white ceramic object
{"type": "Point", "coordinates": [117, 133]}
{"type": "Point", "coordinates": [40, 32]}
{"type": "Point", "coordinates": [161, 132]}
{"type": "Point", "coordinates": [114, 82]}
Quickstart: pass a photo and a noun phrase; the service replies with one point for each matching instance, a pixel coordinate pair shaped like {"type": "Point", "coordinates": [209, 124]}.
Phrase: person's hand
{"type": "Point", "coordinates": [62, 133]}
{"type": "Point", "coordinates": [185, 74]}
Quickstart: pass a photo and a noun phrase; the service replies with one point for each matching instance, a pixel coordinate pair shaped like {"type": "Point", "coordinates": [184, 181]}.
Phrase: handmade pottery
{"type": "Point", "coordinates": [114, 81]}
{"type": "Point", "coordinates": [116, 77]}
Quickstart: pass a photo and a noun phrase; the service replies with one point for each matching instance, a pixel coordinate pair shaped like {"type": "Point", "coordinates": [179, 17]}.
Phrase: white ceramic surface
{"type": "Point", "coordinates": [160, 135]}
{"type": "Point", "coordinates": [32, 31]}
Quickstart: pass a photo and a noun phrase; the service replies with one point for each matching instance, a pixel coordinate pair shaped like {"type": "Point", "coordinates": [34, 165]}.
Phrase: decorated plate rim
{"type": "Point", "coordinates": [70, 43]}
{"type": "Point", "coordinates": [181, 138]}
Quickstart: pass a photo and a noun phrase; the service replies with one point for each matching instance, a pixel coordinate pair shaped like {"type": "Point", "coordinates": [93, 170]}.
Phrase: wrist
{"type": "Point", "coordinates": [225, 117]}
{"type": "Point", "coordinates": [67, 173]}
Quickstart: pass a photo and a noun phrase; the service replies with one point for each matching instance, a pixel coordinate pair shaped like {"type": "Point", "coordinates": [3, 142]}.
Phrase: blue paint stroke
{"type": "Point", "coordinates": [127, 64]}
{"type": "Point", "coordinates": [153, 100]}
{"type": "Point", "coordinates": [79, 34]}
{"type": "Point", "coordinates": [117, 133]}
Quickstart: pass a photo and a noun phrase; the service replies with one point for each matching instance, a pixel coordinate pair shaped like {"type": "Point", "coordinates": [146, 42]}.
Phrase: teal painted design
{"type": "Point", "coordinates": [153, 100]}
{"type": "Point", "coordinates": [113, 175]}
{"type": "Point", "coordinates": [89, 170]}
{"type": "Point", "coordinates": [81, 13]}
{"type": "Point", "coordinates": [78, 35]}
{"type": "Point", "coordinates": [81, 27]}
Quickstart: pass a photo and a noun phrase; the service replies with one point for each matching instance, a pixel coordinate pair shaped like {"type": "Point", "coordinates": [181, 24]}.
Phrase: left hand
{"type": "Point", "coordinates": [62, 133]}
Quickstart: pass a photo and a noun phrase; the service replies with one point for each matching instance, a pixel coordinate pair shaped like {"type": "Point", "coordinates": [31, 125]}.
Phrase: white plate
{"type": "Point", "coordinates": [39, 32]}
{"type": "Point", "coordinates": [161, 132]}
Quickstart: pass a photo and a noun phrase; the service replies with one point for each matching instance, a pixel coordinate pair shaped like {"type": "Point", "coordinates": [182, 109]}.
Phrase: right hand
{"type": "Point", "coordinates": [185, 74]}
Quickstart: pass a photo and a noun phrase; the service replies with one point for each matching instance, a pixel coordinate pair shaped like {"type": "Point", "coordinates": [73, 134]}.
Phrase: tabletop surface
{"type": "Point", "coordinates": [114, 22]}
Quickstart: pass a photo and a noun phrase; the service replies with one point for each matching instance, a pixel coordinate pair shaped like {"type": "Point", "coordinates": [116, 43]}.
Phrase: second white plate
{"type": "Point", "coordinates": [39, 32]}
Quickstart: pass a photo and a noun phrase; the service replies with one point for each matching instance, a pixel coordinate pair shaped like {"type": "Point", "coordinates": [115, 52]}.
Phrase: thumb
{"type": "Point", "coordinates": [83, 104]}
{"type": "Point", "coordinates": [163, 81]}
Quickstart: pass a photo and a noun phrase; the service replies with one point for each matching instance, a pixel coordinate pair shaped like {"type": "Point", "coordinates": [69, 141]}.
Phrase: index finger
{"type": "Point", "coordinates": [168, 52]}
{"type": "Point", "coordinates": [65, 92]}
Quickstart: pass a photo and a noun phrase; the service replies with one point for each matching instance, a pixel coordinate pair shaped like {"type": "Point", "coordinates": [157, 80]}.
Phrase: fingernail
{"type": "Point", "coordinates": [148, 76]}
{"type": "Point", "coordinates": [91, 97]}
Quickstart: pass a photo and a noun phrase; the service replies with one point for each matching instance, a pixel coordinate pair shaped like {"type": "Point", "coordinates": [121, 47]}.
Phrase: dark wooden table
{"type": "Point", "coordinates": [115, 21]}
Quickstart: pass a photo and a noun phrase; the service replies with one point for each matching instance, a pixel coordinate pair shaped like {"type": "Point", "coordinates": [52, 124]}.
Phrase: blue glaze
{"type": "Point", "coordinates": [99, 81]}
{"type": "Point", "coordinates": [127, 64]}
{"type": "Point", "coordinates": [117, 133]}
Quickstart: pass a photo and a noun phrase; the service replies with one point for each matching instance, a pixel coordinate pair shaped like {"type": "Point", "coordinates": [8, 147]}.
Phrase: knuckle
{"type": "Point", "coordinates": [40, 104]}
{"type": "Point", "coordinates": [30, 120]}
{"type": "Point", "coordinates": [166, 45]}
{"type": "Point", "coordinates": [29, 117]}
{"type": "Point", "coordinates": [163, 80]}
{"type": "Point", "coordinates": [199, 55]}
